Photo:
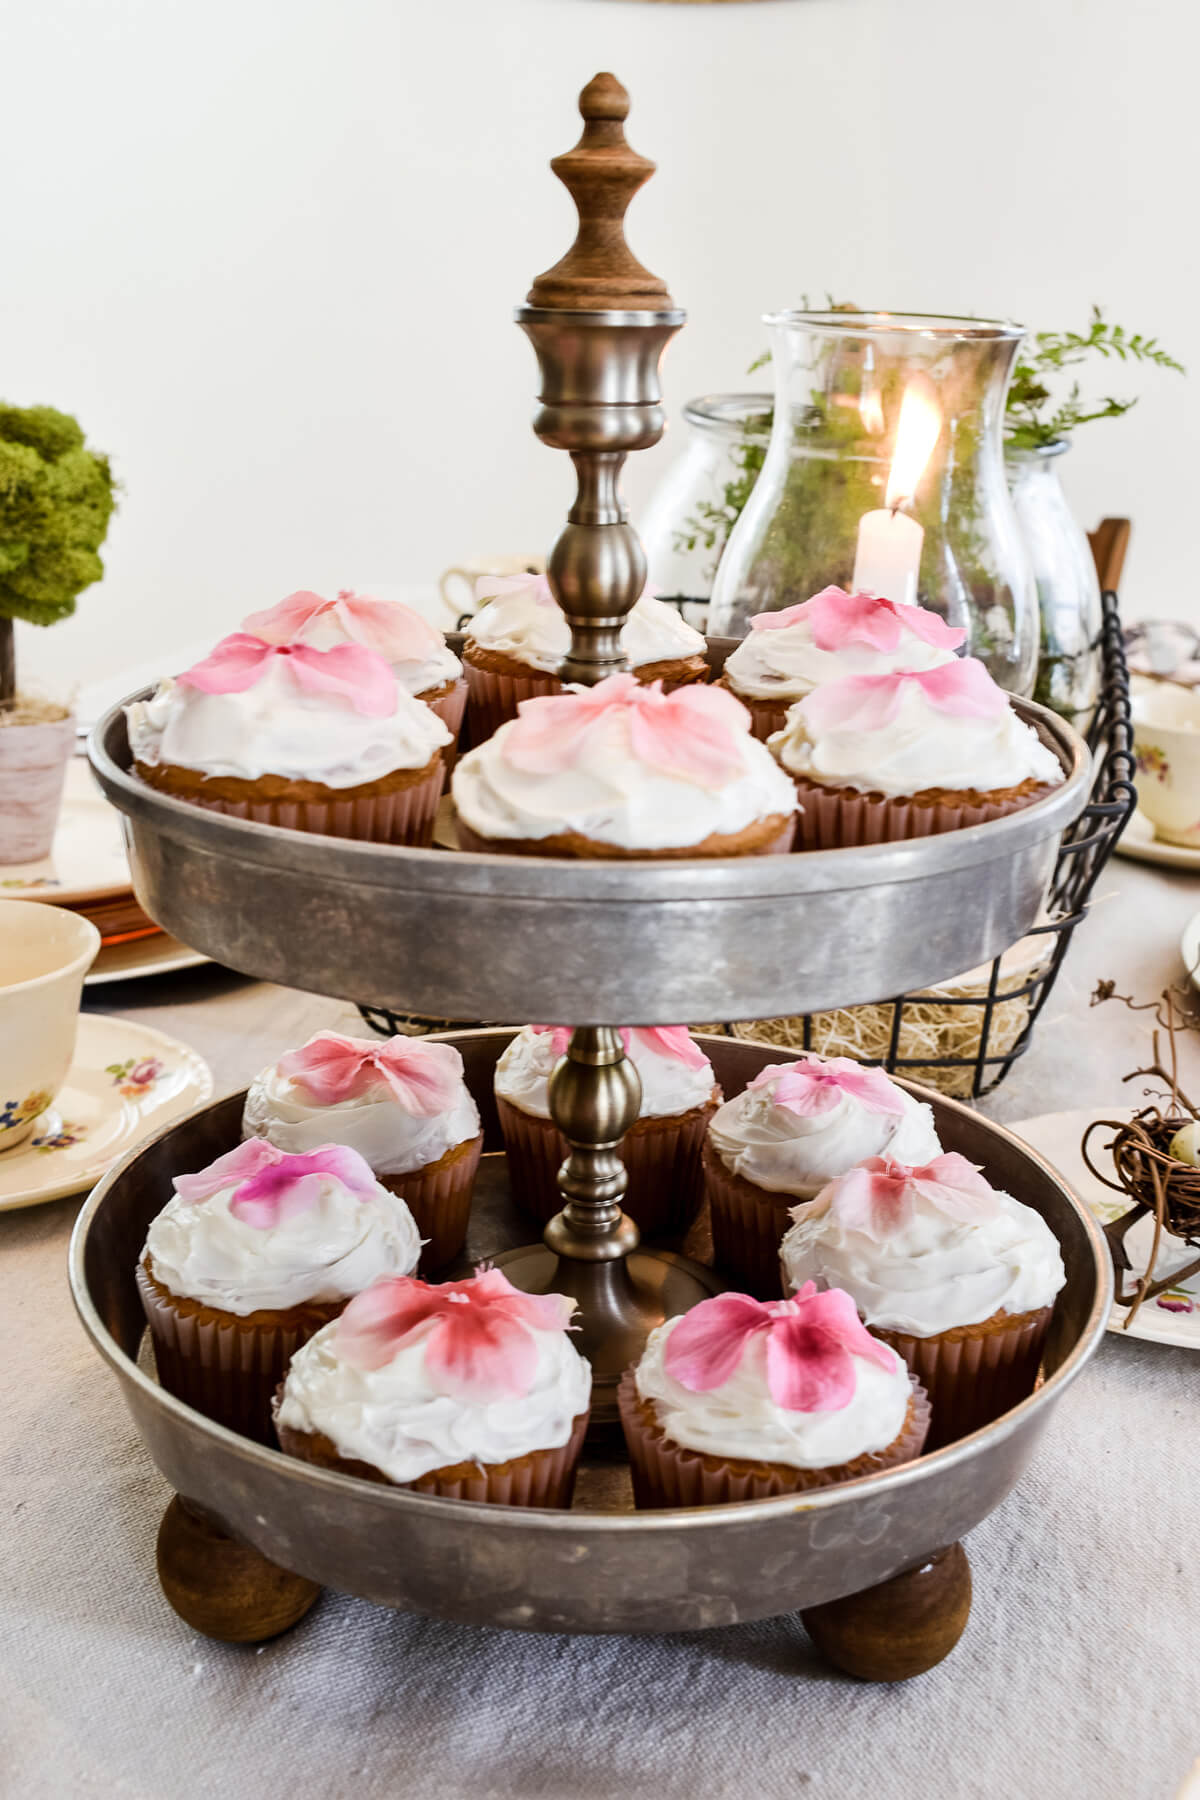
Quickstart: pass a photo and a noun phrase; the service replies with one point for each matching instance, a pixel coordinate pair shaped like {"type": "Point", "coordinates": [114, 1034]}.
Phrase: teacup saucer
{"type": "Point", "coordinates": [1138, 841]}
{"type": "Point", "coordinates": [125, 1082]}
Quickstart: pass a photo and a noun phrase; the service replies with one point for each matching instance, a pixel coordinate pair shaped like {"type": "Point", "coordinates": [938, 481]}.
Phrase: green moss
{"type": "Point", "coordinates": [56, 499]}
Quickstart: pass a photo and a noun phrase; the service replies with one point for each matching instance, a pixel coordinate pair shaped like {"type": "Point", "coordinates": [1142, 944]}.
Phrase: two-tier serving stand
{"type": "Point", "coordinates": [875, 1566]}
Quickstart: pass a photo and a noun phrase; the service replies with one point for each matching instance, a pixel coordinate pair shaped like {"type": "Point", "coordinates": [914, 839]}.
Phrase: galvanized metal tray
{"type": "Point", "coordinates": [599, 1567]}
{"type": "Point", "coordinates": [465, 936]}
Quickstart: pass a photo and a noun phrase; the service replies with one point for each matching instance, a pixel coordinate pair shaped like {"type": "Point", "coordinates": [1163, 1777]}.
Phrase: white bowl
{"type": "Point", "coordinates": [45, 952]}
{"type": "Point", "coordinates": [1166, 739]}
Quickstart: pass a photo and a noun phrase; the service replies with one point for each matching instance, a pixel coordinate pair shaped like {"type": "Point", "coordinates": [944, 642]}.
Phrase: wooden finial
{"type": "Point", "coordinates": [602, 174]}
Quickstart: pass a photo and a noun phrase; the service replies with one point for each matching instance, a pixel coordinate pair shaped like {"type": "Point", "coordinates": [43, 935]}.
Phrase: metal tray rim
{"type": "Point", "coordinates": [397, 867]}
{"type": "Point", "coordinates": [696, 1518]}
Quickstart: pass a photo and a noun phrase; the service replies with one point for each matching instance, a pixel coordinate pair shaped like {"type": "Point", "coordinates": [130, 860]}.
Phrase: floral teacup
{"type": "Point", "coordinates": [45, 952]}
{"type": "Point", "coordinates": [1166, 741]}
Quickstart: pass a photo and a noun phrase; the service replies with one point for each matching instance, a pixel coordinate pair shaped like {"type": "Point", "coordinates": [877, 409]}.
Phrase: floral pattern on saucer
{"type": "Point", "coordinates": [19, 1112]}
{"type": "Point", "coordinates": [133, 1079]}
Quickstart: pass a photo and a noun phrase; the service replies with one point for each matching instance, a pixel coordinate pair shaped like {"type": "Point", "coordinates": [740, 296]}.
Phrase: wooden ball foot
{"type": "Point", "coordinates": [900, 1628]}
{"type": "Point", "coordinates": [222, 1588]}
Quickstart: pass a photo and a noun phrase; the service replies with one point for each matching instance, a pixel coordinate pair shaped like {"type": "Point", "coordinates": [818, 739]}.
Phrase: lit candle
{"type": "Point", "coordinates": [888, 554]}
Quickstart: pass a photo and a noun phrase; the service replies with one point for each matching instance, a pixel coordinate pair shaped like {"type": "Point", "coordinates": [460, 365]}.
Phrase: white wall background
{"type": "Point", "coordinates": [266, 250]}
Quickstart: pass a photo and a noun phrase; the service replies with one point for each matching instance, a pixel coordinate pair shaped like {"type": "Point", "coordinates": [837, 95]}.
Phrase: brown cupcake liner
{"type": "Point", "coordinates": [666, 1474]}
{"type": "Point", "coordinates": [539, 1478]}
{"type": "Point", "coordinates": [492, 700]}
{"type": "Point", "coordinates": [225, 1365]}
{"type": "Point", "coordinates": [661, 1157]}
{"type": "Point", "coordinates": [439, 1199]}
{"type": "Point", "coordinates": [748, 1224]}
{"type": "Point", "coordinates": [974, 1373]}
{"type": "Point", "coordinates": [836, 818]}
{"type": "Point", "coordinates": [403, 815]}
{"type": "Point", "coordinates": [766, 716]}
{"type": "Point", "coordinates": [450, 705]}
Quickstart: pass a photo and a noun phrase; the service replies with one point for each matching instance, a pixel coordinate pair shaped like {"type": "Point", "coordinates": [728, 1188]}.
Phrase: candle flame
{"type": "Point", "coordinates": [916, 434]}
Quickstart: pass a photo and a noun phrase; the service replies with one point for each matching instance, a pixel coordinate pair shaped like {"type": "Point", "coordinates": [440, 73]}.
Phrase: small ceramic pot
{"type": "Point", "coordinates": [33, 767]}
{"type": "Point", "coordinates": [1166, 740]}
{"type": "Point", "coordinates": [45, 952]}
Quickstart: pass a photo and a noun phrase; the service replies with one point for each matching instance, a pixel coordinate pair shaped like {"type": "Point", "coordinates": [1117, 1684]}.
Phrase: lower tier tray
{"type": "Point", "coordinates": [600, 1567]}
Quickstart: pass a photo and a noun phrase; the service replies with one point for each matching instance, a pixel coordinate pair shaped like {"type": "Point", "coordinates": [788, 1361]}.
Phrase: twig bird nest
{"type": "Point", "coordinates": [1144, 1166]}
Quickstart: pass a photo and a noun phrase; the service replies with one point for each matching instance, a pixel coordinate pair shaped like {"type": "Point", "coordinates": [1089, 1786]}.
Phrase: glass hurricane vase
{"type": "Point", "coordinates": [1068, 588]}
{"type": "Point", "coordinates": [885, 471]}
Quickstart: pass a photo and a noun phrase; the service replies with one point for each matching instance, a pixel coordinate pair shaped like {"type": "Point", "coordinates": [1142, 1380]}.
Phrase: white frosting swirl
{"type": "Point", "coordinates": [608, 795]}
{"type": "Point", "coordinates": [740, 1419]}
{"type": "Point", "coordinates": [786, 1153]}
{"type": "Point", "coordinates": [388, 1137]}
{"type": "Point", "coordinates": [396, 1419]}
{"type": "Point", "coordinates": [922, 747]}
{"type": "Point", "coordinates": [785, 664]}
{"type": "Point", "coordinates": [327, 630]}
{"type": "Point", "coordinates": [932, 1273]}
{"type": "Point", "coordinates": [531, 631]}
{"type": "Point", "coordinates": [329, 1251]}
{"type": "Point", "coordinates": [276, 727]}
{"type": "Point", "coordinates": [669, 1086]}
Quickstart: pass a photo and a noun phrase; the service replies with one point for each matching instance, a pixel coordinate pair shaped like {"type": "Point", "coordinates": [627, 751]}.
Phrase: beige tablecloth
{"type": "Point", "coordinates": [1079, 1674]}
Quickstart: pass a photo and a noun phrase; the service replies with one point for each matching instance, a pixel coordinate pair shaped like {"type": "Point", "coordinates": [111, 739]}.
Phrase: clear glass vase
{"type": "Point", "coordinates": [1068, 588]}
{"type": "Point", "coordinates": [885, 472]}
{"type": "Point", "coordinates": [695, 506]}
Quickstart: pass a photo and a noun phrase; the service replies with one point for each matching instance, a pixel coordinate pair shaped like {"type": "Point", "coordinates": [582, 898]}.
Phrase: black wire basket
{"type": "Point", "coordinates": [989, 1014]}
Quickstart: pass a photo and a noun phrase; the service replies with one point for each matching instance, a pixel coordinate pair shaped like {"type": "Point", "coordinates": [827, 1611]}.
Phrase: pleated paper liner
{"type": "Point", "coordinates": [748, 1224]}
{"type": "Point", "coordinates": [974, 1373]}
{"type": "Point", "coordinates": [439, 1199]}
{"type": "Point", "coordinates": [493, 699]}
{"type": "Point", "coordinates": [450, 705]}
{"type": "Point", "coordinates": [226, 1366]}
{"type": "Point", "coordinates": [661, 1157]}
{"type": "Point", "coordinates": [766, 716]}
{"type": "Point", "coordinates": [833, 818]}
{"type": "Point", "coordinates": [401, 814]}
{"type": "Point", "coordinates": [666, 1474]}
{"type": "Point", "coordinates": [539, 1478]}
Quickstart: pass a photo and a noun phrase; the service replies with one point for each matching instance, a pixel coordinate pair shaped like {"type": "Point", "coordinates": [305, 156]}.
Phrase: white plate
{"type": "Point", "coordinates": [1189, 949]}
{"type": "Point", "coordinates": [88, 860]}
{"type": "Point", "coordinates": [157, 955]}
{"type": "Point", "coordinates": [1138, 841]}
{"type": "Point", "coordinates": [1174, 1317]}
{"type": "Point", "coordinates": [125, 1082]}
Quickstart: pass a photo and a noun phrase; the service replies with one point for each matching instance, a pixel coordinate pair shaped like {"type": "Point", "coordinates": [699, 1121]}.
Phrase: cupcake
{"type": "Point", "coordinates": [415, 651]}
{"type": "Point", "coordinates": [622, 770]}
{"type": "Point", "coordinates": [956, 1276]}
{"type": "Point", "coordinates": [516, 642]}
{"type": "Point", "coordinates": [402, 1105]}
{"type": "Point", "coordinates": [737, 1400]}
{"type": "Point", "coordinates": [909, 754]}
{"type": "Point", "coordinates": [250, 1257]}
{"type": "Point", "coordinates": [470, 1390]}
{"type": "Point", "coordinates": [795, 1127]}
{"type": "Point", "coordinates": [286, 734]}
{"type": "Point", "coordinates": [661, 1151]}
{"type": "Point", "coordinates": [787, 654]}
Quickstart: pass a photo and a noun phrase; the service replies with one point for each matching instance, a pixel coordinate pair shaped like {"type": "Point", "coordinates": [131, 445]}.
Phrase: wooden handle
{"type": "Point", "coordinates": [602, 174]}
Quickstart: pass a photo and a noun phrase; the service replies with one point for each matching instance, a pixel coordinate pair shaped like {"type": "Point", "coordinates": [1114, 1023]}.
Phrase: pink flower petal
{"type": "Point", "coordinates": [284, 622]}
{"type": "Point", "coordinates": [292, 1184]}
{"type": "Point", "coordinates": [672, 1041]}
{"type": "Point", "coordinates": [706, 1346]}
{"type": "Point", "coordinates": [875, 1198]}
{"type": "Point", "coordinates": [692, 734]}
{"type": "Point", "coordinates": [235, 664]}
{"type": "Point", "coordinates": [235, 1166]}
{"type": "Point", "coordinates": [350, 671]}
{"type": "Point", "coordinates": [960, 689]}
{"type": "Point", "coordinates": [377, 1321]}
{"type": "Point", "coordinates": [395, 631]}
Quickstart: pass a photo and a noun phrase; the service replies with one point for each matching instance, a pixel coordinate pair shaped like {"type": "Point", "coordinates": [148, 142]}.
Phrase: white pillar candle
{"type": "Point", "coordinates": [888, 556]}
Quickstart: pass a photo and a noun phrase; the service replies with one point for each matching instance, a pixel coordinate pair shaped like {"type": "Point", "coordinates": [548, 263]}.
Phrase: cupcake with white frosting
{"type": "Point", "coordinates": [286, 734]}
{"type": "Point", "coordinates": [416, 651]}
{"type": "Point", "coordinates": [516, 642]}
{"type": "Point", "coordinates": [957, 1276]}
{"type": "Point", "coordinates": [796, 1126]}
{"type": "Point", "coordinates": [909, 754]}
{"type": "Point", "coordinates": [623, 770]}
{"type": "Point", "coordinates": [402, 1104]}
{"type": "Point", "coordinates": [252, 1255]}
{"type": "Point", "coordinates": [470, 1390]}
{"type": "Point", "coordinates": [661, 1150]}
{"type": "Point", "coordinates": [789, 653]}
{"type": "Point", "coordinates": [737, 1400]}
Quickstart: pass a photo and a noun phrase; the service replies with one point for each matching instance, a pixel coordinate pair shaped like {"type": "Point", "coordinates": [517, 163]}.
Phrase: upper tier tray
{"type": "Point", "coordinates": [466, 936]}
